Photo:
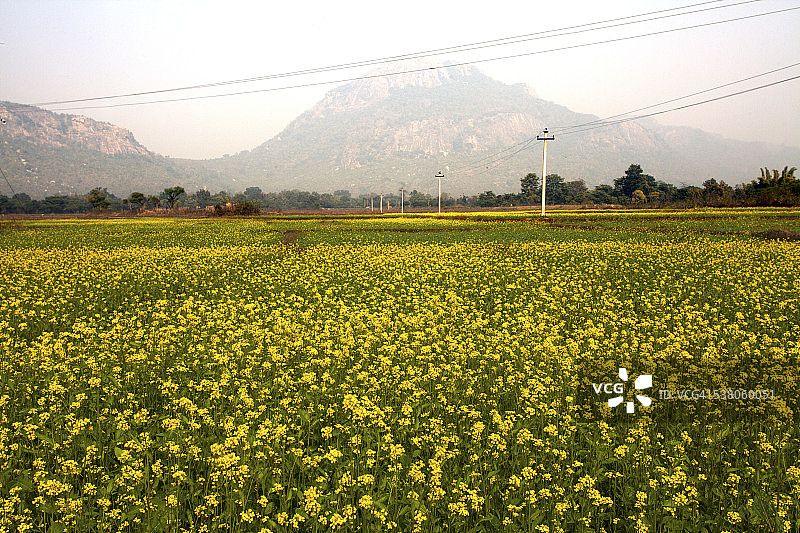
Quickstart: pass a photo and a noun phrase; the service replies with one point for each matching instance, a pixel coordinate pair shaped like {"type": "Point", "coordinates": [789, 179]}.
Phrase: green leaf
{"type": "Point", "coordinates": [24, 482]}
{"type": "Point", "coordinates": [44, 438]}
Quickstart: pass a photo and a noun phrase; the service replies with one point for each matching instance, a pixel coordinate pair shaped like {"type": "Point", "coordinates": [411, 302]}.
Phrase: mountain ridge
{"type": "Point", "coordinates": [379, 133]}
{"type": "Point", "coordinates": [39, 126]}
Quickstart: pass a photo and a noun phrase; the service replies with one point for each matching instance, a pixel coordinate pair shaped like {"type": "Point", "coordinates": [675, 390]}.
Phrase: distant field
{"type": "Point", "coordinates": [422, 373]}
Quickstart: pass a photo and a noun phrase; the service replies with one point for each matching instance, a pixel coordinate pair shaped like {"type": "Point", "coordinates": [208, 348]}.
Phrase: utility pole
{"type": "Point", "coordinates": [544, 138]}
{"type": "Point", "coordinates": [402, 199]}
{"type": "Point", "coordinates": [439, 176]}
{"type": "Point", "coordinates": [381, 203]}
{"type": "Point", "coordinates": [371, 204]}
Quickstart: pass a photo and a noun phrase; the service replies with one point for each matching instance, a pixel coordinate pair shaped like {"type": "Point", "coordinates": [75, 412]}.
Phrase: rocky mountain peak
{"type": "Point", "coordinates": [42, 127]}
{"type": "Point", "coordinates": [422, 73]}
{"type": "Point", "coordinates": [381, 82]}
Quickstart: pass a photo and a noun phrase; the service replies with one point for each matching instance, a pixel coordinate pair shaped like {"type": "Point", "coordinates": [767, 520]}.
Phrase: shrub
{"type": "Point", "coordinates": [243, 208]}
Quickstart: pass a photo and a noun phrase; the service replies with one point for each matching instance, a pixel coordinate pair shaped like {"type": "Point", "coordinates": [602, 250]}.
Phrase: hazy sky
{"type": "Point", "coordinates": [59, 50]}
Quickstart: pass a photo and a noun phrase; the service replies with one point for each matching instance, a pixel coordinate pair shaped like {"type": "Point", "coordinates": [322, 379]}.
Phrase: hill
{"type": "Point", "coordinates": [376, 134]}
{"type": "Point", "coordinates": [45, 153]}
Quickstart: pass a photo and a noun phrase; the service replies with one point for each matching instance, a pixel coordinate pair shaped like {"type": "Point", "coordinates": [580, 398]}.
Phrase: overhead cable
{"type": "Point", "coordinates": [602, 123]}
{"type": "Point", "coordinates": [414, 70]}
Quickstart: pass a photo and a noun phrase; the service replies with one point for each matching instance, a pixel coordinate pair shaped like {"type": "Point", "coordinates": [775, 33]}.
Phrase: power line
{"type": "Point", "coordinates": [601, 123]}
{"type": "Point", "coordinates": [499, 162]}
{"type": "Point", "coordinates": [7, 182]}
{"type": "Point", "coordinates": [426, 53]}
{"type": "Point", "coordinates": [13, 194]}
{"type": "Point", "coordinates": [409, 71]}
{"type": "Point", "coordinates": [562, 131]}
{"type": "Point", "coordinates": [480, 162]}
{"type": "Point", "coordinates": [496, 159]}
{"type": "Point", "coordinates": [638, 117]}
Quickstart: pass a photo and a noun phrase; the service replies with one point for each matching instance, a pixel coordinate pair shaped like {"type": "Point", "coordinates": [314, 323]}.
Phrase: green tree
{"type": "Point", "coordinates": [634, 179]}
{"type": "Point", "coordinates": [171, 195]}
{"type": "Point", "coordinates": [254, 194]}
{"type": "Point", "coordinates": [19, 203]}
{"type": "Point", "coordinates": [417, 199]}
{"type": "Point", "coordinates": [666, 191]}
{"type": "Point", "coordinates": [487, 199]}
{"type": "Point", "coordinates": [773, 188]}
{"type": "Point", "coordinates": [137, 199]}
{"type": "Point", "coordinates": [603, 194]}
{"type": "Point", "coordinates": [530, 186]}
{"type": "Point", "coordinates": [557, 192]}
{"type": "Point", "coordinates": [638, 197]}
{"type": "Point", "coordinates": [202, 198]}
{"type": "Point", "coordinates": [97, 197]}
{"type": "Point", "coordinates": [776, 179]}
{"type": "Point", "coordinates": [342, 193]}
{"type": "Point", "coordinates": [577, 191]}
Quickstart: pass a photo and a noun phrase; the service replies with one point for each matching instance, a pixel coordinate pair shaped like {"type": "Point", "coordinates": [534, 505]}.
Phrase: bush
{"type": "Point", "coordinates": [243, 208]}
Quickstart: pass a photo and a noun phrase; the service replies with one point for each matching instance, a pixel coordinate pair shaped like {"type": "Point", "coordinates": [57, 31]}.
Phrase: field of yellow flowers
{"type": "Point", "coordinates": [409, 374]}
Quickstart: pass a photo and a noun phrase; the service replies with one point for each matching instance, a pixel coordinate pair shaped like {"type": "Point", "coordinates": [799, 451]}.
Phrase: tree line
{"type": "Point", "coordinates": [633, 188]}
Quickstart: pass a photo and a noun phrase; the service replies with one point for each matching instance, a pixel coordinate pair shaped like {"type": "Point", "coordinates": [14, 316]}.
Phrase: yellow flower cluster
{"type": "Point", "coordinates": [407, 374]}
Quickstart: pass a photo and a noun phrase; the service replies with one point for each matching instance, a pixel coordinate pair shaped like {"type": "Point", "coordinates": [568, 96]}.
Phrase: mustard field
{"type": "Point", "coordinates": [409, 374]}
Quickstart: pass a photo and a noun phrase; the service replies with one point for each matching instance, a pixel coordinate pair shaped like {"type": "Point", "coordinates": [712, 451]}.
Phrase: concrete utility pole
{"type": "Point", "coordinates": [381, 203]}
{"type": "Point", "coordinates": [544, 138]}
{"type": "Point", "coordinates": [402, 199]}
{"type": "Point", "coordinates": [439, 176]}
{"type": "Point", "coordinates": [371, 203]}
